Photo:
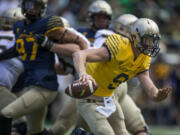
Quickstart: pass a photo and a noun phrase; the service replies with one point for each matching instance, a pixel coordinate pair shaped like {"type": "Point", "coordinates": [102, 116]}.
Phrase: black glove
{"type": "Point", "coordinates": [43, 41]}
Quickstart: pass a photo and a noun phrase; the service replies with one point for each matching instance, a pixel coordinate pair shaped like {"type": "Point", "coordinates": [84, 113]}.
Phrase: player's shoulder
{"type": "Point", "coordinates": [116, 42]}
{"type": "Point", "coordinates": [118, 38]}
{"type": "Point", "coordinates": [53, 23]}
{"type": "Point", "coordinates": [114, 37]}
{"type": "Point", "coordinates": [54, 20]}
{"type": "Point", "coordinates": [18, 25]}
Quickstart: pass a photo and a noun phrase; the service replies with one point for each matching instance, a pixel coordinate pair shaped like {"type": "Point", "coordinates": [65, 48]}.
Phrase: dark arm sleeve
{"type": "Point", "coordinates": [10, 53]}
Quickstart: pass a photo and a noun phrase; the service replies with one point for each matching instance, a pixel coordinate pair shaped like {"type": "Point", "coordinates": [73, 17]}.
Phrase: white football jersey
{"type": "Point", "coordinates": [12, 68]}
{"type": "Point", "coordinates": [100, 37]}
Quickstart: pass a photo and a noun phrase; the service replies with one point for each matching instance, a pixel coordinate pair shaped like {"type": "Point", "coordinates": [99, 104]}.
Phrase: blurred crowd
{"type": "Point", "coordinates": [165, 69]}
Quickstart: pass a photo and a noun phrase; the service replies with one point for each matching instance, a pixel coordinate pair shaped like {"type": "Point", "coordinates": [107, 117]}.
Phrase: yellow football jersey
{"type": "Point", "coordinates": [121, 67]}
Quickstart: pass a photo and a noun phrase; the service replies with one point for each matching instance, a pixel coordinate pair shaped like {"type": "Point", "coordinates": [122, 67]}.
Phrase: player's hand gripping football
{"type": "Point", "coordinates": [43, 41]}
{"type": "Point", "coordinates": [162, 94]}
{"type": "Point", "coordinates": [85, 77]}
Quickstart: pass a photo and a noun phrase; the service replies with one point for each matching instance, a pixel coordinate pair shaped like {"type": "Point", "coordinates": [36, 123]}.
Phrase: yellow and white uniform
{"type": "Point", "coordinates": [104, 116]}
{"type": "Point", "coordinates": [122, 65]}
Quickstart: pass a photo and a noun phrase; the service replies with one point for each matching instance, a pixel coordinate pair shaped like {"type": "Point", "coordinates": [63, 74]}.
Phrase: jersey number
{"type": "Point", "coordinates": [118, 80]}
{"type": "Point", "coordinates": [21, 49]}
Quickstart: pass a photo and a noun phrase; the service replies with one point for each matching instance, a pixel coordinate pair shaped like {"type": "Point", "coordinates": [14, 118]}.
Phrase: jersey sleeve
{"type": "Point", "coordinates": [146, 65]}
{"type": "Point", "coordinates": [54, 22]}
{"type": "Point", "coordinates": [112, 43]}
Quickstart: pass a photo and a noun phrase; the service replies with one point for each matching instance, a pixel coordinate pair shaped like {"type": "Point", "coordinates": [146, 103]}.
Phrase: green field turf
{"type": "Point", "coordinates": [165, 130]}
{"type": "Point", "coordinates": [155, 130]}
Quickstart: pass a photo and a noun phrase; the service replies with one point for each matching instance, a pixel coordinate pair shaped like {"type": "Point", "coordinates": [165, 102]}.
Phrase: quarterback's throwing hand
{"type": "Point", "coordinates": [43, 41]}
{"type": "Point", "coordinates": [85, 77]}
{"type": "Point", "coordinates": [162, 94]}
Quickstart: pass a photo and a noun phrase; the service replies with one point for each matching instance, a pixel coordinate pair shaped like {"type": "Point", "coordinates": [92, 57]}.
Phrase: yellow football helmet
{"type": "Point", "coordinates": [9, 17]}
{"type": "Point", "coordinates": [123, 22]}
{"type": "Point", "coordinates": [145, 36]}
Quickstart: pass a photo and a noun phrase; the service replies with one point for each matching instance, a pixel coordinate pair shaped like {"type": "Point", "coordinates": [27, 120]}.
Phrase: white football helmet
{"type": "Point", "coordinates": [65, 22]}
{"type": "Point", "coordinates": [9, 17]}
{"type": "Point", "coordinates": [99, 7]}
{"type": "Point", "coordinates": [145, 36]}
{"type": "Point", "coordinates": [122, 24]}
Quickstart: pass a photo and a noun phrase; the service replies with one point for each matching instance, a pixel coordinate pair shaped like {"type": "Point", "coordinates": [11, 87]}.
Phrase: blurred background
{"type": "Point", "coordinates": [165, 70]}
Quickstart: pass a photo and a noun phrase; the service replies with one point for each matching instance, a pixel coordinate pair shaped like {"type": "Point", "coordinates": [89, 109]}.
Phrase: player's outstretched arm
{"type": "Point", "coordinates": [66, 49]}
{"type": "Point", "coordinates": [155, 93]}
{"type": "Point", "coordinates": [64, 35]}
{"type": "Point", "coordinates": [89, 55]}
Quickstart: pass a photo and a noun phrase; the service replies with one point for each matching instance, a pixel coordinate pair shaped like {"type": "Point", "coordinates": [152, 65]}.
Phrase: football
{"type": "Point", "coordinates": [78, 89]}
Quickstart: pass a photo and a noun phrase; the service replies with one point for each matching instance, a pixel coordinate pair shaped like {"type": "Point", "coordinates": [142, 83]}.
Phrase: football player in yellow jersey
{"type": "Point", "coordinates": [134, 120]}
{"type": "Point", "coordinates": [117, 61]}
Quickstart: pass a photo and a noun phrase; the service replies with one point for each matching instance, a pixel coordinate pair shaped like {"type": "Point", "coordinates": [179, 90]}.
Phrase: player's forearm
{"type": "Point", "coordinates": [151, 90]}
{"type": "Point", "coordinates": [82, 44]}
{"type": "Point", "coordinates": [65, 36]}
{"type": "Point", "coordinates": [71, 37]}
{"type": "Point", "coordinates": [148, 85]}
{"type": "Point", "coordinates": [79, 59]}
{"type": "Point", "coordinates": [65, 49]}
